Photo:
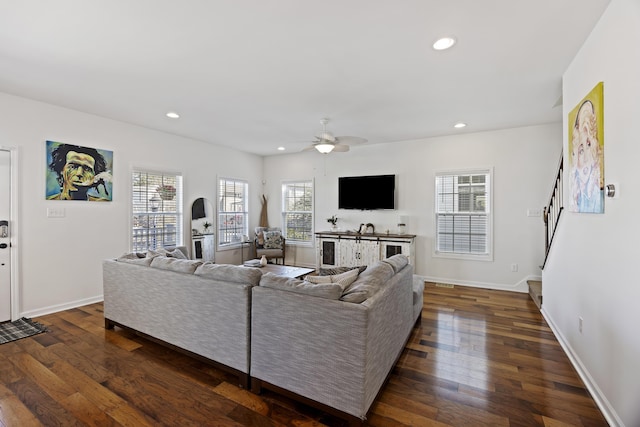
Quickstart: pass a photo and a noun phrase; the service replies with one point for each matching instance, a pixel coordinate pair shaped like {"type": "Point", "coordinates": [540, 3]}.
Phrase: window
{"type": "Point", "coordinates": [463, 214]}
{"type": "Point", "coordinates": [297, 211]}
{"type": "Point", "coordinates": [156, 210]}
{"type": "Point", "coordinates": [233, 212]}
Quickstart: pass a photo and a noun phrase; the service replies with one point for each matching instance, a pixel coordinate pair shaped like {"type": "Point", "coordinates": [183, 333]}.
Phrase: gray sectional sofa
{"type": "Point", "coordinates": [331, 343]}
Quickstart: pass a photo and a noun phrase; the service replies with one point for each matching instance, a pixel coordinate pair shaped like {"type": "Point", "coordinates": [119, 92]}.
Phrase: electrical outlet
{"type": "Point", "coordinates": [580, 320]}
{"type": "Point", "coordinates": [55, 213]}
{"type": "Point", "coordinates": [514, 268]}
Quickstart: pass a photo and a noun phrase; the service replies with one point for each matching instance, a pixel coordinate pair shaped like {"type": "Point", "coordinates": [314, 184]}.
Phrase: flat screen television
{"type": "Point", "coordinates": [367, 192]}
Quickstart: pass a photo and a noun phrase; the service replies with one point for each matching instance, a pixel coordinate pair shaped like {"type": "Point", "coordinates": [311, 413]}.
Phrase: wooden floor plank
{"type": "Point", "coordinates": [477, 358]}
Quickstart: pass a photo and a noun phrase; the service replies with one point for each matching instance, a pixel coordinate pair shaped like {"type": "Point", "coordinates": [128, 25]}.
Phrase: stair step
{"type": "Point", "coordinates": [535, 290]}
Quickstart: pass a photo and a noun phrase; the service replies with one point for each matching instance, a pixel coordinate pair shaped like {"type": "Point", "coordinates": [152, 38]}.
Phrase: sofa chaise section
{"type": "Point", "coordinates": [333, 354]}
{"type": "Point", "coordinates": [199, 315]}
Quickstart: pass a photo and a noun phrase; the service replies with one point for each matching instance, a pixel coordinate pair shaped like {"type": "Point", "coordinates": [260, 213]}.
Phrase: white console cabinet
{"type": "Point", "coordinates": [348, 249]}
{"type": "Point", "coordinates": [204, 247]}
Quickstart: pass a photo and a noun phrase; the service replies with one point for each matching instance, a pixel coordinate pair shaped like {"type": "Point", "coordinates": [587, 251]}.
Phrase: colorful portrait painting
{"type": "Point", "coordinates": [586, 153]}
{"type": "Point", "coordinates": [78, 173]}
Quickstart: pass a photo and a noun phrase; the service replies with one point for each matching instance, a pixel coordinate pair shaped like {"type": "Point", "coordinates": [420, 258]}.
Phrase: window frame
{"type": "Point", "coordinates": [233, 244]}
{"type": "Point", "coordinates": [175, 179]}
{"type": "Point", "coordinates": [284, 212]}
{"type": "Point", "coordinates": [488, 256]}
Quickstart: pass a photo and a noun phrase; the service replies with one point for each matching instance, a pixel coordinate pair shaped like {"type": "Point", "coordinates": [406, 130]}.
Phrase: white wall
{"type": "Point", "coordinates": [591, 270]}
{"type": "Point", "coordinates": [524, 162]}
{"type": "Point", "coordinates": [61, 257]}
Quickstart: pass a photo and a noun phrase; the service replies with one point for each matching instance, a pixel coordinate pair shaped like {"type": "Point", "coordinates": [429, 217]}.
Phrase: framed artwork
{"type": "Point", "coordinates": [78, 173]}
{"type": "Point", "coordinates": [586, 153]}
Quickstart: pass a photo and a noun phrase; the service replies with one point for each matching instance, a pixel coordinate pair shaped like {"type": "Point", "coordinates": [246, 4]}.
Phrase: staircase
{"type": "Point", "coordinates": [551, 217]}
{"type": "Point", "coordinates": [535, 291]}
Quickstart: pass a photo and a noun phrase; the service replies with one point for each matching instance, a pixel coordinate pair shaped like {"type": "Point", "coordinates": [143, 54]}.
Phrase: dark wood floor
{"type": "Point", "coordinates": [479, 358]}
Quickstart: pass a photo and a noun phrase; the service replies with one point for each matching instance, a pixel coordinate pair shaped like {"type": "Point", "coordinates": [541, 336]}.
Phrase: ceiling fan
{"type": "Point", "coordinates": [326, 142]}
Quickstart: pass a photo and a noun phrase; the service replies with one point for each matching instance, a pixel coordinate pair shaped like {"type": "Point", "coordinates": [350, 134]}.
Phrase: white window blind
{"type": "Point", "coordinates": [463, 221]}
{"type": "Point", "coordinates": [297, 211]}
{"type": "Point", "coordinates": [156, 210]}
{"type": "Point", "coordinates": [233, 212]}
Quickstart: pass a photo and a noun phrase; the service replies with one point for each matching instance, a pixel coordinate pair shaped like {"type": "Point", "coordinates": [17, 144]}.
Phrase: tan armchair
{"type": "Point", "coordinates": [271, 243]}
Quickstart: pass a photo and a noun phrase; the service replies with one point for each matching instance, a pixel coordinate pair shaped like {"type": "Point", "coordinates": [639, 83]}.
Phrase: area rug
{"type": "Point", "coordinates": [21, 328]}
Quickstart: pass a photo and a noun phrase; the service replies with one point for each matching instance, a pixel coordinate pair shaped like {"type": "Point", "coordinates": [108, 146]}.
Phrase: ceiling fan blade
{"type": "Point", "coordinates": [351, 140]}
{"type": "Point", "coordinates": [340, 148]}
{"type": "Point", "coordinates": [309, 148]}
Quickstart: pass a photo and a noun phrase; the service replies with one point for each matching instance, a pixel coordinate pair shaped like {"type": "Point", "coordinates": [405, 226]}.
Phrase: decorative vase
{"type": "Point", "coordinates": [334, 227]}
{"type": "Point", "coordinates": [263, 261]}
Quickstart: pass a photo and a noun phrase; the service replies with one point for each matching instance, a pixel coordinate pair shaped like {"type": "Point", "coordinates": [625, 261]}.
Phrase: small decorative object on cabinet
{"type": "Point", "coordinates": [263, 260]}
{"type": "Point", "coordinates": [333, 220]}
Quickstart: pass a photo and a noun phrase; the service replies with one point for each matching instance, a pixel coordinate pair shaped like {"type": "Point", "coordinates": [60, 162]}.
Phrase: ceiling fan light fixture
{"type": "Point", "coordinates": [325, 148]}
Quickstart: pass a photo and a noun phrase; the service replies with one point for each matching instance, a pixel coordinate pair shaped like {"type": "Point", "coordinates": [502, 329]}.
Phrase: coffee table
{"type": "Point", "coordinates": [287, 270]}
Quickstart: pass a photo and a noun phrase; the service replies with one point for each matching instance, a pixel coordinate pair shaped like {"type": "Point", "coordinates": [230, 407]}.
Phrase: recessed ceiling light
{"type": "Point", "coordinates": [444, 43]}
{"type": "Point", "coordinates": [460, 125]}
{"type": "Point", "coordinates": [281, 148]}
{"type": "Point", "coordinates": [173, 115]}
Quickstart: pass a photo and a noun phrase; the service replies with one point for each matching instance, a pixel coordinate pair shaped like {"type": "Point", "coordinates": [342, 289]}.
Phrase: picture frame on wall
{"type": "Point", "coordinates": [586, 153]}
{"type": "Point", "coordinates": [78, 173]}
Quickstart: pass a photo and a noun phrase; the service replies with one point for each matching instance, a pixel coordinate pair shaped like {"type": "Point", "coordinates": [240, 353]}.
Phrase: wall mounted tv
{"type": "Point", "coordinates": [367, 192]}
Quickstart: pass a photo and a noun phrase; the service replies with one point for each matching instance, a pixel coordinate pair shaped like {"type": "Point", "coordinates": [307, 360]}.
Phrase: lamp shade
{"type": "Point", "coordinates": [325, 148]}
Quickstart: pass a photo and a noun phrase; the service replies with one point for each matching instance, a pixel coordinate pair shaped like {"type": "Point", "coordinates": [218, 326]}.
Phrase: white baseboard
{"type": "Point", "coordinates": [601, 401]}
{"type": "Point", "coordinates": [521, 286]}
{"type": "Point", "coordinates": [61, 307]}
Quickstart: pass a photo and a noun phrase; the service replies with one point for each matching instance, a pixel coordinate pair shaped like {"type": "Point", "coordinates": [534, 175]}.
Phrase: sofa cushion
{"type": "Point", "coordinates": [230, 273]}
{"type": "Point", "coordinates": [322, 290]}
{"type": "Point", "coordinates": [368, 282]}
{"type": "Point", "coordinates": [175, 264]}
{"type": "Point", "coordinates": [397, 262]}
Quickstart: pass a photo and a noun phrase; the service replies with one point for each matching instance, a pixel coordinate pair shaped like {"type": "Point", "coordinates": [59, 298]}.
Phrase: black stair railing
{"type": "Point", "coordinates": [553, 210]}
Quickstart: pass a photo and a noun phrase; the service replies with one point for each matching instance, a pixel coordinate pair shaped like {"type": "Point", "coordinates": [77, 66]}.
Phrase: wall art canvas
{"type": "Point", "coordinates": [78, 173]}
{"type": "Point", "coordinates": [586, 153]}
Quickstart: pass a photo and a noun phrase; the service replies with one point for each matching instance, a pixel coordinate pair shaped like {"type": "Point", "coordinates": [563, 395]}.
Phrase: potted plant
{"type": "Point", "coordinates": [166, 191]}
{"type": "Point", "coordinates": [333, 220]}
{"type": "Point", "coordinates": [205, 227]}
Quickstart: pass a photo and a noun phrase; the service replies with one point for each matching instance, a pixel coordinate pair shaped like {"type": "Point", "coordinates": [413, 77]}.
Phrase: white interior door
{"type": "Point", "coordinates": [5, 235]}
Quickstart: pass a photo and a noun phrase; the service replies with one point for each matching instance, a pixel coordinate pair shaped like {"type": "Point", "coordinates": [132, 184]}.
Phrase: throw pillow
{"type": "Point", "coordinates": [177, 253]}
{"type": "Point", "coordinates": [318, 279]}
{"type": "Point", "coordinates": [272, 240]}
{"type": "Point", "coordinates": [342, 279]}
{"type": "Point", "coordinates": [152, 253]}
{"type": "Point", "coordinates": [260, 235]}
{"type": "Point", "coordinates": [321, 290]}
{"type": "Point", "coordinates": [338, 270]}
{"type": "Point", "coordinates": [146, 262]}
{"type": "Point", "coordinates": [175, 264]}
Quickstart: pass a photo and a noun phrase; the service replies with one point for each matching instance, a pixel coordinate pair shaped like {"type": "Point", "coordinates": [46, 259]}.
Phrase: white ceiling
{"type": "Point", "coordinates": [256, 74]}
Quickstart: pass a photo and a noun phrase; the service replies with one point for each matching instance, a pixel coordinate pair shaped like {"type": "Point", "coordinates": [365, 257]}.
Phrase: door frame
{"type": "Point", "coordinates": [14, 233]}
